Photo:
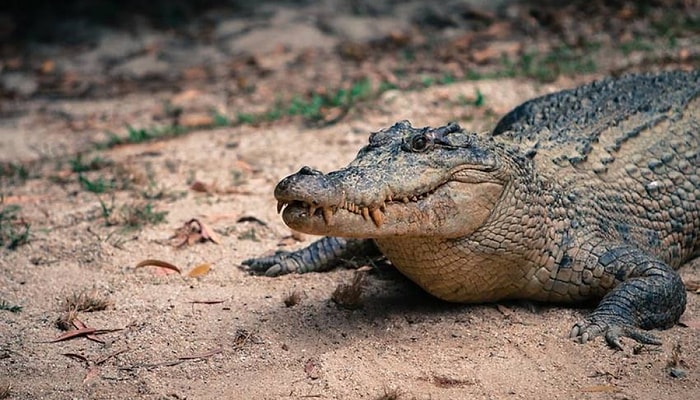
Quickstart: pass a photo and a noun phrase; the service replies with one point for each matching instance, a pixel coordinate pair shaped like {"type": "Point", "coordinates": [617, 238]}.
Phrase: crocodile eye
{"type": "Point", "coordinates": [419, 143]}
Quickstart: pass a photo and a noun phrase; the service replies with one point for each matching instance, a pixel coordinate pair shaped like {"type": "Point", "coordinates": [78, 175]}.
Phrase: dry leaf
{"type": "Point", "coordinates": [692, 286]}
{"type": "Point", "coordinates": [74, 333]}
{"type": "Point", "coordinates": [206, 301]}
{"type": "Point", "coordinates": [208, 233]}
{"type": "Point", "coordinates": [160, 271]}
{"type": "Point", "coordinates": [248, 218]}
{"type": "Point", "coordinates": [191, 232]}
{"type": "Point", "coordinates": [80, 325]}
{"type": "Point", "coordinates": [108, 356]}
{"type": "Point", "coordinates": [158, 263]}
{"type": "Point", "coordinates": [199, 270]}
{"type": "Point", "coordinates": [201, 187]}
{"type": "Point", "coordinates": [78, 357]}
{"type": "Point", "coordinates": [82, 332]}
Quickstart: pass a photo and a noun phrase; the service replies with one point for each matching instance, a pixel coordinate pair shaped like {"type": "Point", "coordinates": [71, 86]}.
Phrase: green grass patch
{"type": "Point", "coordinates": [676, 24]}
{"type": "Point", "coordinates": [547, 67]}
{"type": "Point", "coordinates": [13, 172]}
{"type": "Point", "coordinates": [131, 216]}
{"type": "Point", "coordinates": [479, 100]}
{"type": "Point", "coordinates": [141, 135]}
{"type": "Point", "coordinates": [138, 215]}
{"type": "Point", "coordinates": [637, 44]}
{"type": "Point", "coordinates": [316, 106]}
{"type": "Point", "coordinates": [97, 185]}
{"type": "Point", "coordinates": [221, 120]}
{"type": "Point", "coordinates": [5, 306]}
{"type": "Point", "coordinates": [14, 230]}
{"type": "Point", "coordinates": [80, 164]}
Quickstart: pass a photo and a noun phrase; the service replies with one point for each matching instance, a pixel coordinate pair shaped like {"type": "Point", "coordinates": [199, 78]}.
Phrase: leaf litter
{"type": "Point", "coordinates": [193, 231]}
{"type": "Point", "coordinates": [166, 267]}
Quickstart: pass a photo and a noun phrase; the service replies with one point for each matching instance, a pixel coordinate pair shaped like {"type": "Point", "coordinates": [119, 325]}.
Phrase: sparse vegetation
{"type": "Point", "coordinates": [637, 44]}
{"type": "Point", "coordinates": [350, 295]}
{"type": "Point", "coordinates": [140, 135]}
{"type": "Point", "coordinates": [249, 234]}
{"type": "Point", "coordinates": [238, 177]}
{"type": "Point", "coordinates": [13, 172]}
{"type": "Point", "coordinates": [220, 120]}
{"type": "Point", "coordinates": [133, 215]}
{"type": "Point", "coordinates": [78, 164]}
{"type": "Point", "coordinates": [87, 206]}
{"type": "Point", "coordinates": [479, 101]}
{"type": "Point", "coordinates": [87, 301]}
{"type": "Point", "coordinates": [292, 298]}
{"type": "Point", "coordinates": [562, 60]}
{"type": "Point", "coordinates": [140, 214]}
{"type": "Point", "coordinates": [390, 394]}
{"type": "Point", "coordinates": [84, 301]}
{"type": "Point", "coordinates": [317, 106]}
{"type": "Point", "coordinates": [14, 230]}
{"type": "Point", "coordinates": [5, 306]}
{"type": "Point", "coordinates": [97, 185]}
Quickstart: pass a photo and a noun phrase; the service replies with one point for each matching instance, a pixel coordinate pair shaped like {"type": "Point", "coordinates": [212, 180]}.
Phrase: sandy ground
{"type": "Point", "coordinates": [400, 344]}
{"type": "Point", "coordinates": [225, 334]}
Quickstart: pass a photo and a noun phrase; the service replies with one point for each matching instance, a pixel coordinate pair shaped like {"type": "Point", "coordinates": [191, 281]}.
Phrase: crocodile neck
{"type": "Point", "coordinates": [498, 261]}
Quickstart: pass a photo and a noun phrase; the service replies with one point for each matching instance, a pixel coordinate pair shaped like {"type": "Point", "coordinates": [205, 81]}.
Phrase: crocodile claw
{"type": "Point", "coordinates": [274, 265]}
{"type": "Point", "coordinates": [612, 329]}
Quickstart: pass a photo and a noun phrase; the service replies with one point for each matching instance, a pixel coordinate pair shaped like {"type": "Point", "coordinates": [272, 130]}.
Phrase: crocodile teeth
{"type": "Point", "coordinates": [377, 217]}
{"type": "Point", "coordinates": [365, 213]}
{"type": "Point", "coordinates": [280, 206]}
{"type": "Point", "coordinates": [327, 215]}
{"type": "Point", "coordinates": [312, 210]}
{"type": "Point", "coordinates": [405, 200]}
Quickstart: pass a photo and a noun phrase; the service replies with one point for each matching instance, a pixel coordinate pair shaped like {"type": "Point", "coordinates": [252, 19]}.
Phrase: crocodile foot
{"type": "Point", "coordinates": [612, 328]}
{"type": "Point", "coordinates": [274, 265]}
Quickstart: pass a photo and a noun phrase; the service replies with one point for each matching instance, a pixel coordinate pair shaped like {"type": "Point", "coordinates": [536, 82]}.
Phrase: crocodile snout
{"type": "Point", "coordinates": [310, 186]}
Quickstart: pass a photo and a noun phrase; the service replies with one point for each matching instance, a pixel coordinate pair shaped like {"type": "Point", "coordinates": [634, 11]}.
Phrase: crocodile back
{"type": "Point", "coordinates": [624, 155]}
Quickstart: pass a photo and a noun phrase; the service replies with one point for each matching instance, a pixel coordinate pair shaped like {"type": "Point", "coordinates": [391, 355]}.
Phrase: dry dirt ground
{"type": "Point", "coordinates": [225, 334]}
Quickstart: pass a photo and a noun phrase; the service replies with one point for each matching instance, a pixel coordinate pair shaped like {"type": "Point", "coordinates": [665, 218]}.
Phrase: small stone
{"type": "Point", "coordinates": [677, 372]}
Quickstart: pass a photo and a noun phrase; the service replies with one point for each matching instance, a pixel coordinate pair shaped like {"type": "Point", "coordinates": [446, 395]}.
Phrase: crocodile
{"type": "Point", "coordinates": [590, 194]}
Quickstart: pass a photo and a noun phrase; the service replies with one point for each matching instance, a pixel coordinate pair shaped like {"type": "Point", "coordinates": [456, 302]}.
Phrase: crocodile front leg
{"type": "Point", "coordinates": [650, 296]}
{"type": "Point", "coordinates": [320, 255]}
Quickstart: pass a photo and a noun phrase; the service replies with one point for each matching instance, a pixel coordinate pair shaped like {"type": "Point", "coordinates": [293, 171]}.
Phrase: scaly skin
{"type": "Point", "coordinates": [591, 193]}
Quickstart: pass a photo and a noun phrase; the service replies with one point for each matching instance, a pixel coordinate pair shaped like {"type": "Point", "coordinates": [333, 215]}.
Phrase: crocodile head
{"type": "Point", "coordinates": [406, 182]}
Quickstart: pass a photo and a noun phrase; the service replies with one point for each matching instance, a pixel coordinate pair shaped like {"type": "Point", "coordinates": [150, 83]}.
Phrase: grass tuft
{"type": "Point", "coordinates": [14, 230]}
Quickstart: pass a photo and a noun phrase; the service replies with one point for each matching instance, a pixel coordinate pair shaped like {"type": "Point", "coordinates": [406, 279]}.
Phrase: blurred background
{"type": "Point", "coordinates": [84, 48]}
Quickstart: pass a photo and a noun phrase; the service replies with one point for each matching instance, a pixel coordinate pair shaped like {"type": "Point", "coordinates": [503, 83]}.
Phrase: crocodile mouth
{"type": "Point", "coordinates": [301, 209]}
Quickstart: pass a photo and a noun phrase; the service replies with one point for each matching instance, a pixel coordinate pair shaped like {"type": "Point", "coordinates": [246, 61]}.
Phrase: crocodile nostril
{"type": "Point", "coordinates": [306, 170]}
